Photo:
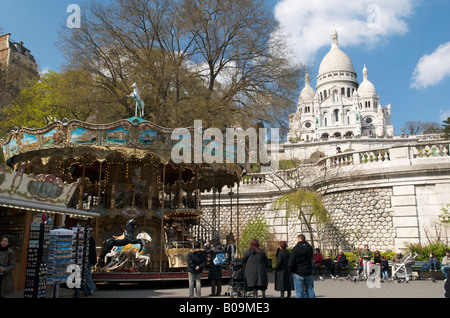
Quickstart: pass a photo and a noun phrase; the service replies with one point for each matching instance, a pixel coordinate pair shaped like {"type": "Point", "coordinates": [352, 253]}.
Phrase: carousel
{"type": "Point", "coordinates": [149, 208]}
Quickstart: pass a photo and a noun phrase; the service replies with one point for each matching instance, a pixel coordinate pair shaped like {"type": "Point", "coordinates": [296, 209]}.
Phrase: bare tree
{"type": "Point", "coordinates": [215, 60]}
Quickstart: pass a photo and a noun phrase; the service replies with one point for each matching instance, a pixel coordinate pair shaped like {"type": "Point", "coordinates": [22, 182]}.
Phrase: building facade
{"type": "Point", "coordinates": [340, 106]}
{"type": "Point", "coordinates": [17, 66]}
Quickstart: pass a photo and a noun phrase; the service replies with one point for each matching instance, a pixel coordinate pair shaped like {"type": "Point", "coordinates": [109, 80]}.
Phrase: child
{"type": "Point", "coordinates": [384, 268]}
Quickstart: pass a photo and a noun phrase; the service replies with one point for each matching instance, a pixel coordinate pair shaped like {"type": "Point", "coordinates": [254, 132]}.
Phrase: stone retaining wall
{"type": "Point", "coordinates": [358, 217]}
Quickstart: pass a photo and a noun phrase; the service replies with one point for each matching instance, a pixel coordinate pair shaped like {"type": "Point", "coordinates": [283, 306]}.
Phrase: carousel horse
{"type": "Point", "coordinates": [121, 254]}
{"type": "Point", "coordinates": [126, 238]}
{"type": "Point", "coordinates": [139, 102]}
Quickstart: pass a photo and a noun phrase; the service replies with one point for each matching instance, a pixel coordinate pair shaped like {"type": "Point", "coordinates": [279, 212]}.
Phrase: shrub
{"type": "Point", "coordinates": [423, 251]}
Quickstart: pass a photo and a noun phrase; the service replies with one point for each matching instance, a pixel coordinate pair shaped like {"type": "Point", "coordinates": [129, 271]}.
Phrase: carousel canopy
{"type": "Point", "coordinates": [132, 140]}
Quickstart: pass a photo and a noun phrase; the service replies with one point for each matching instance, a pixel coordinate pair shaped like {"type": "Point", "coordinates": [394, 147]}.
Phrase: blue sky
{"type": "Point", "coordinates": [405, 44]}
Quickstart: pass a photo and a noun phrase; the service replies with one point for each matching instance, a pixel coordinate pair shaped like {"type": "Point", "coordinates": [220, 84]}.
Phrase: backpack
{"type": "Point", "coordinates": [219, 259]}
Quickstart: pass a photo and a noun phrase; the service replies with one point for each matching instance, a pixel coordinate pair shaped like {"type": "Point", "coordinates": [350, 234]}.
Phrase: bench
{"type": "Point", "coordinates": [425, 273]}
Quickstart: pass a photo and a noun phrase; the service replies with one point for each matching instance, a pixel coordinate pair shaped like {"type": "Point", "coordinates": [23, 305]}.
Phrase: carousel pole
{"type": "Point", "coordinates": [237, 215]}
{"type": "Point", "coordinates": [80, 200]}
{"type": "Point", "coordinates": [98, 197]}
{"type": "Point", "coordinates": [162, 218]}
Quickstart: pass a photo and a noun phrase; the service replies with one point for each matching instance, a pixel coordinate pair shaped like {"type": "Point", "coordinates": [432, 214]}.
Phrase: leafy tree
{"type": "Point", "coordinates": [446, 129]}
{"type": "Point", "coordinates": [256, 229]}
{"type": "Point", "coordinates": [54, 96]}
{"type": "Point", "coordinates": [307, 205]}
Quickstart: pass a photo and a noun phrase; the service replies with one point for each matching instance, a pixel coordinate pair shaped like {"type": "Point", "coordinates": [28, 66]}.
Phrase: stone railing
{"type": "Point", "coordinates": [424, 149]}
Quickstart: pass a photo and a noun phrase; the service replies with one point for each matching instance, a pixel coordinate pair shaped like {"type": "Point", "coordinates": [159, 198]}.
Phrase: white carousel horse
{"type": "Point", "coordinates": [121, 254]}
{"type": "Point", "coordinates": [139, 102]}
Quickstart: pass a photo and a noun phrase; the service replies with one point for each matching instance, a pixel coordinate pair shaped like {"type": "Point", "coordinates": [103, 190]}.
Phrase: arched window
{"type": "Point", "coordinates": [336, 115]}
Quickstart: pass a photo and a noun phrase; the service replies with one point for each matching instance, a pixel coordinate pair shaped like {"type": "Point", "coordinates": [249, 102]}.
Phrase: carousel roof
{"type": "Point", "coordinates": [127, 139]}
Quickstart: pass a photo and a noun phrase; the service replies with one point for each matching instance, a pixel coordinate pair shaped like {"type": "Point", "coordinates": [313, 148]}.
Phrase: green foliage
{"type": "Point", "coordinates": [306, 204]}
{"type": "Point", "coordinates": [446, 129]}
{"type": "Point", "coordinates": [423, 251]}
{"type": "Point", "coordinates": [445, 216]}
{"type": "Point", "coordinates": [256, 229]}
{"type": "Point", "coordinates": [352, 256]}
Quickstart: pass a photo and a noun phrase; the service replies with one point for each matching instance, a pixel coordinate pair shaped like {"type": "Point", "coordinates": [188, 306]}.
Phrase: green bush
{"type": "Point", "coordinates": [423, 251]}
{"type": "Point", "coordinates": [257, 229]}
{"type": "Point", "coordinates": [352, 256]}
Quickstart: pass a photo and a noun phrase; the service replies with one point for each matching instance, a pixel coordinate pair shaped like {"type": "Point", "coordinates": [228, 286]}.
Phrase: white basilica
{"type": "Point", "coordinates": [340, 106]}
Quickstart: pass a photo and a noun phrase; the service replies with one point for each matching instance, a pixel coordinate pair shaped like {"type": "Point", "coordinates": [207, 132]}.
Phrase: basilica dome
{"type": "Point", "coordinates": [367, 89]}
{"type": "Point", "coordinates": [336, 59]}
{"type": "Point", "coordinates": [308, 93]}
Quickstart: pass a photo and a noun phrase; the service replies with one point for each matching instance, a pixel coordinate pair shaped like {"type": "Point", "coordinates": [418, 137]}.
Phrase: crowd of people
{"type": "Point", "coordinates": [296, 270]}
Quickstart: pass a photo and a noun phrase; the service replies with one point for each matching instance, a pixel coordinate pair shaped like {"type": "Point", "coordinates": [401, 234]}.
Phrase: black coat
{"type": "Point", "coordinates": [256, 268]}
{"type": "Point", "coordinates": [92, 252]}
{"type": "Point", "coordinates": [283, 277]}
{"type": "Point", "coordinates": [215, 271]}
{"type": "Point", "coordinates": [196, 258]}
{"type": "Point", "coordinates": [447, 288]}
{"type": "Point", "coordinates": [301, 259]}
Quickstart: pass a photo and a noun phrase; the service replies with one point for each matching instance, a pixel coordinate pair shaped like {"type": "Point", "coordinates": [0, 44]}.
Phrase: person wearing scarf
{"type": "Point", "coordinates": [7, 265]}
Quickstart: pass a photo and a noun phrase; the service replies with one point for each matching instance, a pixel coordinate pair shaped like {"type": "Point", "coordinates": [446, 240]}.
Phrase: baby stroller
{"type": "Point", "coordinates": [237, 286]}
{"type": "Point", "coordinates": [403, 271]}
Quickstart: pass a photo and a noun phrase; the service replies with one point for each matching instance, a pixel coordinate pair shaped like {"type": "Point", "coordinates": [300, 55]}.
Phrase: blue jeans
{"type": "Point", "coordinates": [304, 282]}
{"type": "Point", "coordinates": [195, 283]}
{"type": "Point", "coordinates": [89, 282]}
{"type": "Point", "coordinates": [432, 262]}
{"type": "Point", "coordinates": [445, 270]}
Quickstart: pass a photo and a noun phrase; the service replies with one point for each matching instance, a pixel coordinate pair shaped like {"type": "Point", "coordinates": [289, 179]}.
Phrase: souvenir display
{"type": "Point", "coordinates": [60, 255]}
{"type": "Point", "coordinates": [36, 272]}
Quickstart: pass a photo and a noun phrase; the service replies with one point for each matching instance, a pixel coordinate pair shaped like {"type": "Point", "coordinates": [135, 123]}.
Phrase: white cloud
{"type": "Point", "coordinates": [310, 22]}
{"type": "Point", "coordinates": [444, 114]}
{"type": "Point", "coordinates": [432, 68]}
{"type": "Point", "coordinates": [44, 70]}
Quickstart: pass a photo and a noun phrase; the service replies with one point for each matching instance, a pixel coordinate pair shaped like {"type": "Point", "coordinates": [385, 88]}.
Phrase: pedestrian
{"type": "Point", "coordinates": [447, 288]}
{"type": "Point", "coordinates": [384, 268]}
{"type": "Point", "coordinates": [92, 261]}
{"type": "Point", "coordinates": [377, 263]}
{"type": "Point", "coordinates": [432, 262]}
{"type": "Point", "coordinates": [318, 260]}
{"type": "Point", "coordinates": [359, 264]}
{"type": "Point", "coordinates": [283, 277]}
{"type": "Point", "coordinates": [196, 263]}
{"type": "Point", "coordinates": [301, 265]}
{"type": "Point", "coordinates": [256, 262]}
{"type": "Point", "coordinates": [366, 256]}
{"type": "Point", "coordinates": [327, 264]}
{"type": "Point", "coordinates": [339, 263]}
{"type": "Point", "coordinates": [397, 260]}
{"type": "Point", "coordinates": [215, 269]}
{"type": "Point", "coordinates": [445, 264]}
{"type": "Point", "coordinates": [7, 265]}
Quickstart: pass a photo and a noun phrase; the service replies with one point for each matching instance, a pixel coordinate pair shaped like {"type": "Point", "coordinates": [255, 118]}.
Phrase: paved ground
{"type": "Point", "coordinates": [323, 289]}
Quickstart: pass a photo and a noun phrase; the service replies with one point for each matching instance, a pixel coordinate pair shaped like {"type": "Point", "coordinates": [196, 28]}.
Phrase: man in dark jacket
{"type": "Point", "coordinates": [301, 265]}
{"type": "Point", "coordinates": [196, 263]}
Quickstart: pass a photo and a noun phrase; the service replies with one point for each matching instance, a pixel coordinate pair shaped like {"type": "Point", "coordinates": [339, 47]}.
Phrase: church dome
{"type": "Point", "coordinates": [336, 59]}
{"type": "Point", "coordinates": [308, 93]}
{"type": "Point", "coordinates": [367, 89]}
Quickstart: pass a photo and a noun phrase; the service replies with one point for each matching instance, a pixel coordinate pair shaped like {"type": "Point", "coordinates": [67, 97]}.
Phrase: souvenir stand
{"type": "Point", "coordinates": [125, 170]}
{"type": "Point", "coordinates": [59, 258]}
{"type": "Point", "coordinates": [26, 201]}
{"type": "Point", "coordinates": [80, 251]}
{"type": "Point", "coordinates": [37, 260]}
